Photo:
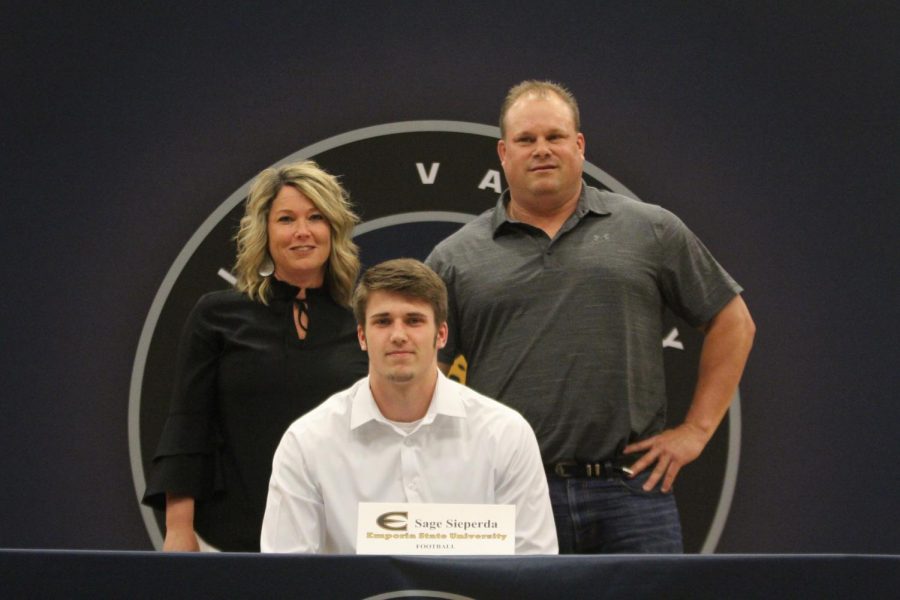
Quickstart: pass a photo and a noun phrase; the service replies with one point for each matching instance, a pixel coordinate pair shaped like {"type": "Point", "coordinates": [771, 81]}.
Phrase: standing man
{"type": "Point", "coordinates": [556, 301]}
{"type": "Point", "coordinates": [405, 433]}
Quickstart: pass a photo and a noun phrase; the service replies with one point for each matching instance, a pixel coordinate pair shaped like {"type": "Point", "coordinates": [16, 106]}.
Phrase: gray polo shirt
{"type": "Point", "coordinates": [568, 331]}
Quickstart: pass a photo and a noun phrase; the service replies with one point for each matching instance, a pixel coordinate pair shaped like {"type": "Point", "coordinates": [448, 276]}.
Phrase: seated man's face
{"type": "Point", "coordinates": [401, 337]}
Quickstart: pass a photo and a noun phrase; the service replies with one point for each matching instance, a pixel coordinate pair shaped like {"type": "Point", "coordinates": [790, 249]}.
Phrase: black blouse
{"type": "Point", "coordinates": [243, 377]}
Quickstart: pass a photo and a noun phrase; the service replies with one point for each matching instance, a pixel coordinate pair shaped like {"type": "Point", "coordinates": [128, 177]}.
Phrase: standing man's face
{"type": "Point", "coordinates": [542, 154]}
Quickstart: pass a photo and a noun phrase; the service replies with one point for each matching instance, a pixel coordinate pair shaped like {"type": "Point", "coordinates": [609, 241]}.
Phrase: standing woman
{"type": "Point", "coordinates": [254, 359]}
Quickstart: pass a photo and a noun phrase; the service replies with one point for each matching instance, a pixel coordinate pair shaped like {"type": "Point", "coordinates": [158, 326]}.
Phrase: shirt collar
{"type": "Point", "coordinates": [592, 200]}
{"type": "Point", "coordinates": [445, 401]}
{"type": "Point", "coordinates": [589, 200]}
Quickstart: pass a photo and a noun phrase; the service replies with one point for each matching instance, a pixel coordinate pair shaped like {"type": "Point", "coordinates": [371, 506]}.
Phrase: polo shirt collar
{"type": "Point", "coordinates": [500, 216]}
{"type": "Point", "coordinates": [592, 200]}
{"type": "Point", "coordinates": [444, 402]}
{"type": "Point", "coordinates": [589, 200]}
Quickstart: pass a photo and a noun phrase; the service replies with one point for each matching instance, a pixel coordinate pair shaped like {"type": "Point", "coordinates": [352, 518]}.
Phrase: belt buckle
{"type": "Point", "coordinates": [611, 467]}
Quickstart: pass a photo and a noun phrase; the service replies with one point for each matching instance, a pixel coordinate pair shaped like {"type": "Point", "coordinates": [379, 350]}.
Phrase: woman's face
{"type": "Point", "coordinates": [299, 239]}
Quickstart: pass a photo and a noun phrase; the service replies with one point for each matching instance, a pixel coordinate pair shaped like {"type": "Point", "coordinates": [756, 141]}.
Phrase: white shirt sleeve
{"type": "Point", "coordinates": [522, 482]}
{"type": "Point", "coordinates": [294, 520]}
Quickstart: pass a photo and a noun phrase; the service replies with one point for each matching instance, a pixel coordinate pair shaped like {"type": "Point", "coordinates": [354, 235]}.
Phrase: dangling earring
{"type": "Point", "coordinates": [267, 267]}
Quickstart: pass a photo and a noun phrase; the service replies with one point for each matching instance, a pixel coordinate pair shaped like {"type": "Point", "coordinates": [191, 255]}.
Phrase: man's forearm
{"type": "Point", "coordinates": [726, 347]}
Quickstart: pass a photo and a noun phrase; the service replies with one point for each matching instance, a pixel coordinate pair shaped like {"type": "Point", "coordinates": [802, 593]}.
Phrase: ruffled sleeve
{"type": "Point", "coordinates": [186, 461]}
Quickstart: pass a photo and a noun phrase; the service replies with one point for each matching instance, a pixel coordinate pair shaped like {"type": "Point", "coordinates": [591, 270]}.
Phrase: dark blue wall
{"type": "Point", "coordinates": [770, 128]}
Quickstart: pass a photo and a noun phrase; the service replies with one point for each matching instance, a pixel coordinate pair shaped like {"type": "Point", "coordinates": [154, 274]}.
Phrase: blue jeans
{"type": "Point", "coordinates": [614, 516]}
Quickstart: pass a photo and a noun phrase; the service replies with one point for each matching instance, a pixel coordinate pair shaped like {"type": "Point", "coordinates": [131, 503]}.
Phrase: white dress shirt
{"type": "Point", "coordinates": [468, 449]}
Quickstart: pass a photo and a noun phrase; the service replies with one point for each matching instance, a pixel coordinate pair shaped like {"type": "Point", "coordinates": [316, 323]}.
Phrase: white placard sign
{"type": "Point", "coordinates": [406, 528]}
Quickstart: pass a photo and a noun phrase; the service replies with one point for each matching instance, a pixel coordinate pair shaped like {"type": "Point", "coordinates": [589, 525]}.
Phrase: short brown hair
{"type": "Point", "coordinates": [404, 276]}
{"type": "Point", "coordinates": [541, 89]}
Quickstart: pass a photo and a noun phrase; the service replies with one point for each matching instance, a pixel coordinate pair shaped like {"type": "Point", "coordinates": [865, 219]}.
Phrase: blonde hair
{"type": "Point", "coordinates": [326, 193]}
{"type": "Point", "coordinates": [541, 89]}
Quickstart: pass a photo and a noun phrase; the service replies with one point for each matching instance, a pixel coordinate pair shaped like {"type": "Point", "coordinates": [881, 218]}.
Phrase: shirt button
{"type": "Point", "coordinates": [408, 441]}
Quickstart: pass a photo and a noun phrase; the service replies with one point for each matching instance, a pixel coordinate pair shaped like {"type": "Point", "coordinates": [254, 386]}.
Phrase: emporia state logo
{"type": "Point", "coordinates": [393, 521]}
{"type": "Point", "coordinates": [413, 184]}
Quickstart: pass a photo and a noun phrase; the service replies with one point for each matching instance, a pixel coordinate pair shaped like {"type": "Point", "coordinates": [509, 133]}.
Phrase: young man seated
{"type": "Point", "coordinates": [404, 433]}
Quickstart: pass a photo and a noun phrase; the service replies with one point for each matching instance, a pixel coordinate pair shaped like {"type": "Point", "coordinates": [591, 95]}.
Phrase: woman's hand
{"type": "Point", "coordinates": [180, 536]}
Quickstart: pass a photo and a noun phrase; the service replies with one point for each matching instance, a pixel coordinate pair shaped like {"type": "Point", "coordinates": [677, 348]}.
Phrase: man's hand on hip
{"type": "Point", "coordinates": [667, 452]}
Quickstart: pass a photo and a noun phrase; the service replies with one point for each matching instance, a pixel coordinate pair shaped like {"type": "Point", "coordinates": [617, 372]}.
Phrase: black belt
{"type": "Point", "coordinates": [606, 469]}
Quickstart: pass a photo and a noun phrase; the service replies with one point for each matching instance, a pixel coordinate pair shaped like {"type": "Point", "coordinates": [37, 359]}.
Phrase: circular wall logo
{"type": "Point", "coordinates": [413, 184]}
